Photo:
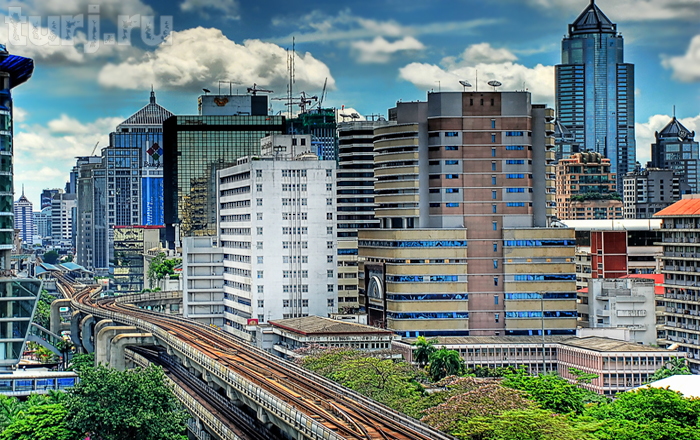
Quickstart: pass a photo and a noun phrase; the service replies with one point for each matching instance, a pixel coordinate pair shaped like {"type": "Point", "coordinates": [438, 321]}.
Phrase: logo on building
{"type": "Point", "coordinates": [156, 152]}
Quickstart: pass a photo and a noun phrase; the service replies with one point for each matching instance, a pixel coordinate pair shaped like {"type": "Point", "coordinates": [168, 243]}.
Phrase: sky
{"type": "Point", "coordinates": [370, 54]}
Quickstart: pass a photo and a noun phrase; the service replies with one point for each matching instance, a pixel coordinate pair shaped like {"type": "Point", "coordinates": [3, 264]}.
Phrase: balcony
{"type": "Point", "coordinates": [631, 313]}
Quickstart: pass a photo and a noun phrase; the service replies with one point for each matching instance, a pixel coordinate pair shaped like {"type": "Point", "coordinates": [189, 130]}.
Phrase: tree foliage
{"type": "Point", "coordinates": [444, 362]}
{"type": "Point", "coordinates": [80, 362]}
{"type": "Point", "coordinates": [424, 348]}
{"type": "Point", "coordinates": [676, 366]}
{"type": "Point", "coordinates": [160, 267]}
{"type": "Point", "coordinates": [50, 257]}
{"type": "Point", "coordinates": [122, 405]}
{"type": "Point", "coordinates": [41, 417]}
{"type": "Point", "coordinates": [42, 316]}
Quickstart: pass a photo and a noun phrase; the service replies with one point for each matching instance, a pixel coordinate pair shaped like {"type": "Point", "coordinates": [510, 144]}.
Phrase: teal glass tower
{"type": "Point", "coordinates": [18, 296]}
{"type": "Point", "coordinates": [595, 90]}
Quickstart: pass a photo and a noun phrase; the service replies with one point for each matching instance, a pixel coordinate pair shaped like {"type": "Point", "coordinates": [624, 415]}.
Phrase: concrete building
{"type": "Point", "coordinates": [648, 191]}
{"type": "Point", "coordinates": [294, 333]}
{"type": "Point", "coordinates": [277, 231]}
{"type": "Point", "coordinates": [467, 168]}
{"type": "Point", "coordinates": [18, 296]}
{"type": "Point", "coordinates": [355, 203]}
{"type": "Point", "coordinates": [681, 238]}
{"type": "Point", "coordinates": [595, 90]}
{"type": "Point", "coordinates": [203, 280]}
{"type": "Point", "coordinates": [24, 219]}
{"type": "Point", "coordinates": [42, 224]}
{"type": "Point", "coordinates": [624, 303]}
{"type": "Point", "coordinates": [676, 149]}
{"type": "Point", "coordinates": [587, 189]}
{"type": "Point", "coordinates": [619, 365]}
{"type": "Point", "coordinates": [92, 248]}
{"type": "Point", "coordinates": [63, 217]}
{"type": "Point", "coordinates": [196, 147]}
{"type": "Point", "coordinates": [320, 124]}
{"type": "Point", "coordinates": [47, 196]}
{"type": "Point", "coordinates": [564, 141]}
{"type": "Point", "coordinates": [130, 244]}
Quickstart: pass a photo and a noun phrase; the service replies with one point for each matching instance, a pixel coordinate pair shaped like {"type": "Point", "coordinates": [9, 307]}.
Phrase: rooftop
{"type": "Point", "coordinates": [596, 343]}
{"type": "Point", "coordinates": [317, 325]}
{"type": "Point", "coordinates": [491, 340]}
{"type": "Point", "coordinates": [151, 114]}
{"type": "Point", "coordinates": [674, 129]}
{"type": "Point", "coordinates": [657, 277]}
{"type": "Point", "coordinates": [592, 20]}
{"type": "Point", "coordinates": [614, 225]}
{"type": "Point", "coordinates": [689, 207]}
{"type": "Point", "coordinates": [688, 385]}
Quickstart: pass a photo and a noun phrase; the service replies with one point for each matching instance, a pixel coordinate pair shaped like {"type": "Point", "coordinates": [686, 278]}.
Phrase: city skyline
{"type": "Point", "coordinates": [372, 56]}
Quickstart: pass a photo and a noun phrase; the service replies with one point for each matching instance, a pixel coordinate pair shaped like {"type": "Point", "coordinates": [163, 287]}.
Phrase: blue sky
{"type": "Point", "coordinates": [373, 54]}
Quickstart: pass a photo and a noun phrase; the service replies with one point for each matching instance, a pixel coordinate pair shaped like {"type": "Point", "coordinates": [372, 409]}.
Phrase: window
{"type": "Point", "coordinates": [285, 303]}
{"type": "Point", "coordinates": [515, 190]}
{"type": "Point", "coordinates": [260, 260]}
{"type": "Point", "coordinates": [493, 180]}
{"type": "Point", "coordinates": [514, 147]}
{"type": "Point", "coordinates": [493, 138]}
{"type": "Point", "coordinates": [294, 141]}
{"type": "Point", "coordinates": [260, 274]}
{"type": "Point", "coordinates": [329, 187]}
{"type": "Point", "coordinates": [495, 299]}
{"type": "Point", "coordinates": [329, 230]}
{"type": "Point", "coordinates": [493, 194]}
{"type": "Point", "coordinates": [451, 162]}
{"type": "Point", "coordinates": [329, 245]}
{"type": "Point", "coordinates": [331, 302]}
{"type": "Point", "coordinates": [495, 317]}
{"type": "Point", "coordinates": [493, 150]}
{"type": "Point", "coordinates": [495, 247]}
{"type": "Point", "coordinates": [451, 176]}
{"type": "Point", "coordinates": [451, 133]}
{"type": "Point", "coordinates": [330, 288]}
{"type": "Point", "coordinates": [329, 173]}
{"type": "Point", "coordinates": [495, 281]}
{"type": "Point", "coordinates": [481, 101]}
{"type": "Point", "coordinates": [260, 215]}
{"type": "Point", "coordinates": [495, 264]}
{"type": "Point", "coordinates": [259, 202]}
{"type": "Point", "coordinates": [471, 101]}
{"type": "Point", "coordinates": [259, 245]}
{"type": "Point", "coordinates": [260, 230]}
{"type": "Point", "coordinates": [261, 303]}
{"type": "Point", "coordinates": [261, 289]}
{"type": "Point", "coordinates": [451, 148]}
{"type": "Point", "coordinates": [492, 102]}
{"type": "Point", "coordinates": [515, 133]}
{"type": "Point", "coordinates": [515, 162]}
{"type": "Point", "coordinates": [515, 176]}
{"type": "Point", "coordinates": [493, 166]}
{"type": "Point", "coordinates": [494, 208]}
{"type": "Point", "coordinates": [495, 226]}
{"type": "Point", "coordinates": [258, 173]}
{"type": "Point", "coordinates": [258, 187]}
{"type": "Point", "coordinates": [452, 205]}
{"type": "Point", "coordinates": [329, 202]}
{"type": "Point", "coordinates": [452, 190]}
{"type": "Point", "coordinates": [329, 273]}
{"type": "Point", "coordinates": [329, 216]}
{"type": "Point", "coordinates": [329, 258]}
{"type": "Point", "coordinates": [493, 123]}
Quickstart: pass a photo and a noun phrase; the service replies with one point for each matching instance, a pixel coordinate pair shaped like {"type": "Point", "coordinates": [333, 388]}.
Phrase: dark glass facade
{"type": "Point", "coordinates": [195, 147]}
{"type": "Point", "coordinates": [595, 90]}
{"type": "Point", "coordinates": [676, 149]}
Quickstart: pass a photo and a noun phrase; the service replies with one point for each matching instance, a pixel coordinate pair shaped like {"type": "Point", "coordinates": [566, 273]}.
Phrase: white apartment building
{"type": "Point", "coordinates": [63, 207]}
{"type": "Point", "coordinates": [203, 280]}
{"type": "Point", "coordinates": [624, 303]}
{"type": "Point", "coordinates": [277, 231]}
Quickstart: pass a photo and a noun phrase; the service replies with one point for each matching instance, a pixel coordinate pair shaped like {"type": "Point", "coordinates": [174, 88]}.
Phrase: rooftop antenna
{"type": "Point", "coordinates": [206, 91]}
{"type": "Point", "coordinates": [465, 84]}
{"type": "Point", "coordinates": [477, 81]}
{"type": "Point", "coordinates": [674, 111]}
{"type": "Point", "coordinates": [323, 93]}
{"type": "Point", "coordinates": [494, 84]}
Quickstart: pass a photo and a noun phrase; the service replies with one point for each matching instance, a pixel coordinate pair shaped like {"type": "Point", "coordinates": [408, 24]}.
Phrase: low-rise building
{"type": "Point", "coordinates": [203, 280]}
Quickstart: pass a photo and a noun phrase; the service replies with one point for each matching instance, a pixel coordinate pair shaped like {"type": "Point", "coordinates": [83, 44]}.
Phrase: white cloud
{"type": "Point", "coordinates": [686, 68]}
{"type": "Point", "coordinates": [200, 57]}
{"type": "Point", "coordinates": [229, 8]}
{"type": "Point", "coordinates": [629, 10]}
{"type": "Point", "coordinates": [644, 133]}
{"type": "Point", "coordinates": [491, 64]}
{"type": "Point", "coordinates": [110, 9]}
{"type": "Point", "coordinates": [44, 155]}
{"type": "Point", "coordinates": [380, 50]}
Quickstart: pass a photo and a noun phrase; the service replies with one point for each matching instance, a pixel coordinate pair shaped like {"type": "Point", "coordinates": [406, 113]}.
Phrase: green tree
{"type": "Point", "coordinates": [10, 408]}
{"type": "Point", "coordinates": [423, 350]}
{"type": "Point", "coordinates": [65, 346]}
{"type": "Point", "coordinates": [445, 363]}
{"type": "Point", "coordinates": [82, 361]}
{"type": "Point", "coordinates": [40, 422]}
{"type": "Point", "coordinates": [533, 424]}
{"type": "Point", "coordinates": [67, 259]}
{"type": "Point", "coordinates": [160, 266]}
{"type": "Point", "coordinates": [50, 257]}
{"type": "Point", "coordinates": [676, 366]}
{"type": "Point", "coordinates": [123, 405]}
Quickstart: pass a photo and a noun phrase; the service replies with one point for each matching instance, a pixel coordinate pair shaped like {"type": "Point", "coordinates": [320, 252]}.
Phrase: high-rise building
{"type": "Point", "coordinates": [564, 141]}
{"type": "Point", "coordinates": [42, 224]}
{"type": "Point", "coordinates": [681, 242]}
{"type": "Point", "coordinates": [203, 280]}
{"type": "Point", "coordinates": [587, 188]}
{"type": "Point", "coordinates": [676, 149]}
{"type": "Point", "coordinates": [19, 296]}
{"type": "Point", "coordinates": [47, 196]}
{"type": "Point", "coordinates": [92, 250]}
{"type": "Point", "coordinates": [130, 244]}
{"type": "Point", "coordinates": [277, 231]}
{"type": "Point", "coordinates": [63, 217]}
{"type": "Point", "coordinates": [320, 123]}
{"type": "Point", "coordinates": [355, 201]}
{"type": "Point", "coordinates": [595, 89]}
{"type": "Point", "coordinates": [24, 219]}
{"type": "Point", "coordinates": [196, 147]}
{"type": "Point", "coordinates": [467, 168]}
{"type": "Point", "coordinates": [647, 191]}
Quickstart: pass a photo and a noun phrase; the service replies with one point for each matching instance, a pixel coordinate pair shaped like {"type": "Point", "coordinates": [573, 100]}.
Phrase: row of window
{"type": "Point", "coordinates": [538, 314]}
{"type": "Point", "coordinates": [429, 315]}
{"type": "Point", "coordinates": [421, 278]}
{"type": "Point", "coordinates": [413, 243]}
{"type": "Point", "coordinates": [533, 295]}
{"type": "Point", "coordinates": [548, 277]}
{"type": "Point", "coordinates": [429, 297]}
{"type": "Point", "coordinates": [537, 243]}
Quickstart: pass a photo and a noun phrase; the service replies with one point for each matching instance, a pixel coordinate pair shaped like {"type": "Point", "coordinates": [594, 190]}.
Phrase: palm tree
{"type": "Point", "coordinates": [445, 363]}
{"type": "Point", "coordinates": [424, 349]}
{"type": "Point", "coordinates": [675, 366]}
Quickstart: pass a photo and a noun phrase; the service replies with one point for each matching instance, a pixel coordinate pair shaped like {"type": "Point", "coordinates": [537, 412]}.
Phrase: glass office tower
{"type": "Point", "coordinates": [595, 90]}
{"type": "Point", "coordinates": [18, 296]}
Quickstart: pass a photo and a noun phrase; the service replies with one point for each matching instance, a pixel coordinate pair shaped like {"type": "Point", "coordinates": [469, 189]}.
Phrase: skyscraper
{"type": "Point", "coordinates": [47, 196]}
{"type": "Point", "coordinates": [676, 148]}
{"type": "Point", "coordinates": [92, 250]}
{"type": "Point", "coordinates": [24, 220]}
{"type": "Point", "coordinates": [595, 90]}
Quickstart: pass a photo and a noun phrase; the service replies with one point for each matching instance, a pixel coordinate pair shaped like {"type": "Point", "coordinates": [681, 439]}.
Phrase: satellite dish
{"type": "Point", "coordinates": [494, 84]}
{"type": "Point", "coordinates": [465, 84]}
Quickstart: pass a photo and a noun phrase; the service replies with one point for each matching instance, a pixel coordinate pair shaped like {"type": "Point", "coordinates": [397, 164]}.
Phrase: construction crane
{"type": "Point", "coordinates": [94, 148]}
{"type": "Point", "coordinates": [302, 101]}
{"type": "Point", "coordinates": [255, 89]}
{"type": "Point", "coordinates": [323, 94]}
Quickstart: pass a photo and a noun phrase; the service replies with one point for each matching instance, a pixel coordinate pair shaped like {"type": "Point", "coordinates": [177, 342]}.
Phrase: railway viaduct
{"type": "Point", "coordinates": [264, 398]}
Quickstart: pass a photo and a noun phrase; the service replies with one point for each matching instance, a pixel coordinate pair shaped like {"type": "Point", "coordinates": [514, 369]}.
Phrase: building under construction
{"type": "Point", "coordinates": [320, 123]}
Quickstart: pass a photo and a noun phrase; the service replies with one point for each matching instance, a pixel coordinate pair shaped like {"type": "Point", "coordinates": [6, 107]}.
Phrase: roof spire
{"type": "Point", "coordinates": [674, 111]}
{"type": "Point", "coordinates": [23, 190]}
{"type": "Point", "coordinates": [153, 95]}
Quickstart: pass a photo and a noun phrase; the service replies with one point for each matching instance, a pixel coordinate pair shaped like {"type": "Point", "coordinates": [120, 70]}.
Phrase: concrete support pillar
{"type": "Point", "coordinates": [103, 340]}
{"type": "Point", "coordinates": [75, 319]}
{"type": "Point", "coordinates": [86, 328]}
{"type": "Point", "coordinates": [233, 396]}
{"type": "Point", "coordinates": [55, 317]}
{"type": "Point", "coordinates": [121, 341]}
{"type": "Point", "coordinates": [262, 415]}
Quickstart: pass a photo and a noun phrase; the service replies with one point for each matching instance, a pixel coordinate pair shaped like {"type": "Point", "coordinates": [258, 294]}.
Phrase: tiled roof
{"type": "Point", "coordinates": [682, 208]}
{"type": "Point", "coordinates": [309, 325]}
